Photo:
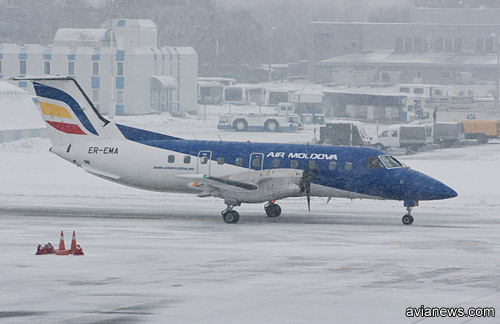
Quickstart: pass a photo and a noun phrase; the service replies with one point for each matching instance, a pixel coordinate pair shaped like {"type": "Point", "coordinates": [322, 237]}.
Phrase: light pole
{"type": "Point", "coordinates": [269, 75]}
{"type": "Point", "coordinates": [497, 74]}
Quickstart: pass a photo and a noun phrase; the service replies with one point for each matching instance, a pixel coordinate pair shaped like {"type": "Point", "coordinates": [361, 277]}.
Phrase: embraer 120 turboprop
{"type": "Point", "coordinates": [238, 172]}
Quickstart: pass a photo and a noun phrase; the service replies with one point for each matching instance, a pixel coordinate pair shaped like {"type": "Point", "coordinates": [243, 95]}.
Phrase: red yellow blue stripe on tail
{"type": "Point", "coordinates": [66, 123]}
{"type": "Point", "coordinates": [62, 111]}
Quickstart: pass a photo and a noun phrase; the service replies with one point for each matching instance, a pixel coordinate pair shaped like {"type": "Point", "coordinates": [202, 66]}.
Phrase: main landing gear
{"type": "Point", "coordinates": [230, 216]}
{"type": "Point", "coordinates": [272, 209]}
{"type": "Point", "coordinates": [408, 218]}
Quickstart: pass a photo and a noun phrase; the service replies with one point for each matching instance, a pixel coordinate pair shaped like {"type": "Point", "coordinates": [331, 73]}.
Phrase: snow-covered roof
{"type": "Point", "coordinates": [17, 109]}
{"type": "Point", "coordinates": [167, 82]}
{"type": "Point", "coordinates": [387, 91]}
{"type": "Point", "coordinates": [309, 91]}
{"type": "Point", "coordinates": [388, 56]}
{"type": "Point", "coordinates": [83, 35]}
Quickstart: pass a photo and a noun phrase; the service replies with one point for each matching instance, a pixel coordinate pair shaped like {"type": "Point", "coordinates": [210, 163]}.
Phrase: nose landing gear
{"type": "Point", "coordinates": [408, 218]}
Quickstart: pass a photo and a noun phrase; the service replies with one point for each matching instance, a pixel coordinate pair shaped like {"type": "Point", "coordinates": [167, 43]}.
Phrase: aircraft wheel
{"type": "Point", "coordinates": [407, 219]}
{"type": "Point", "coordinates": [273, 210]}
{"type": "Point", "coordinates": [230, 216]}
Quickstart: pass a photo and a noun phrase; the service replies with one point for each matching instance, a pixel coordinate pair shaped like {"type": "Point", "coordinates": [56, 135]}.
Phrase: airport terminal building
{"type": "Point", "coordinates": [124, 60]}
{"type": "Point", "coordinates": [438, 45]}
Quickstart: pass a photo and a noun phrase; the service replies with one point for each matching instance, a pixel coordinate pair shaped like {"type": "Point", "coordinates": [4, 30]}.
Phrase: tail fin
{"type": "Point", "coordinates": [71, 116]}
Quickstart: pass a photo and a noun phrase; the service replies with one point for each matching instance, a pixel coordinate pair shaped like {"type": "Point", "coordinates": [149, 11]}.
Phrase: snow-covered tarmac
{"type": "Point", "coordinates": [160, 258]}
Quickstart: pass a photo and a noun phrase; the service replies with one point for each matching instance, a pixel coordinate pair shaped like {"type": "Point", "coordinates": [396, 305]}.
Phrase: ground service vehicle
{"type": "Point", "coordinates": [446, 134]}
{"type": "Point", "coordinates": [260, 122]}
{"type": "Point", "coordinates": [349, 133]}
{"type": "Point", "coordinates": [411, 137]}
{"type": "Point", "coordinates": [481, 130]}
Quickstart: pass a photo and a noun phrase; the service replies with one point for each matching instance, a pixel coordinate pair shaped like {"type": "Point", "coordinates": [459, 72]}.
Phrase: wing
{"type": "Point", "coordinates": [250, 186]}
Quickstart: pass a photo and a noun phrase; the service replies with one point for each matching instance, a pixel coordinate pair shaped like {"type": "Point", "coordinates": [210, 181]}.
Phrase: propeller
{"type": "Point", "coordinates": [307, 178]}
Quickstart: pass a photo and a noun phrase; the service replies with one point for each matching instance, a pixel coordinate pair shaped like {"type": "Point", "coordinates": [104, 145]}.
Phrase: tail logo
{"type": "Point", "coordinates": [60, 112]}
{"type": "Point", "coordinates": [61, 118]}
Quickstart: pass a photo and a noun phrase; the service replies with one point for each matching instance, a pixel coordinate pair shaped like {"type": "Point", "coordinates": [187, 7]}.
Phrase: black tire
{"type": "Point", "coordinates": [273, 210]}
{"type": "Point", "coordinates": [230, 216]}
{"type": "Point", "coordinates": [272, 126]}
{"type": "Point", "coordinates": [379, 146]}
{"type": "Point", "coordinates": [407, 219]}
{"type": "Point", "coordinates": [240, 125]}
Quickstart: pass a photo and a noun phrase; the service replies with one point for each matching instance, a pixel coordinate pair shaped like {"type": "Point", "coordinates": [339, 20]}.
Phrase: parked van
{"type": "Point", "coordinates": [481, 130]}
{"type": "Point", "coordinates": [411, 137]}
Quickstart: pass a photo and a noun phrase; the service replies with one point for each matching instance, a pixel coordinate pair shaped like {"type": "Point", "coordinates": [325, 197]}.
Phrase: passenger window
{"type": "Point", "coordinates": [220, 160]}
{"type": "Point", "coordinates": [373, 163]}
{"type": "Point", "coordinates": [348, 166]}
{"type": "Point", "coordinates": [171, 158]}
{"type": "Point", "coordinates": [239, 161]}
{"type": "Point", "coordinates": [384, 134]}
{"type": "Point", "coordinates": [311, 165]}
{"type": "Point", "coordinates": [276, 163]}
{"type": "Point", "coordinates": [203, 160]}
{"type": "Point", "coordinates": [187, 159]}
{"type": "Point", "coordinates": [294, 164]}
{"type": "Point", "coordinates": [394, 133]}
{"type": "Point", "coordinates": [256, 162]}
{"type": "Point", "coordinates": [332, 165]}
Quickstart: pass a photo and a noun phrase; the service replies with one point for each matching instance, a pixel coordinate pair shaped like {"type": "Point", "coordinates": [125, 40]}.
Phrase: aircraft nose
{"type": "Point", "coordinates": [445, 192]}
{"type": "Point", "coordinates": [433, 189]}
{"type": "Point", "coordinates": [423, 187]}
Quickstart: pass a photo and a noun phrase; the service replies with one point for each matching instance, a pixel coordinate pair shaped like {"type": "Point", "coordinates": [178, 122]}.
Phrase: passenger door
{"type": "Point", "coordinates": [204, 161]}
{"type": "Point", "coordinates": [256, 161]}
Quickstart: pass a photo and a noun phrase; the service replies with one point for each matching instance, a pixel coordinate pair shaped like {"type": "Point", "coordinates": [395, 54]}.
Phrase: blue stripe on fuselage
{"type": "Point", "coordinates": [357, 180]}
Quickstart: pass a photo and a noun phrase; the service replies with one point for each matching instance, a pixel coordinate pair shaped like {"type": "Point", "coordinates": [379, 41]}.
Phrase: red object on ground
{"type": "Point", "coordinates": [62, 250]}
{"type": "Point", "coordinates": [78, 250]}
{"type": "Point", "coordinates": [40, 250]}
{"type": "Point", "coordinates": [49, 249]}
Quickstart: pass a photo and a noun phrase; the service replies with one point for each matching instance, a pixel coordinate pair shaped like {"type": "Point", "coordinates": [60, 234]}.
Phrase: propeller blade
{"type": "Point", "coordinates": [308, 195]}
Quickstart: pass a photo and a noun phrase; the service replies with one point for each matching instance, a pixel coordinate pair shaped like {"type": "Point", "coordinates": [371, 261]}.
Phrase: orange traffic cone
{"type": "Point", "coordinates": [72, 249]}
{"type": "Point", "coordinates": [62, 250]}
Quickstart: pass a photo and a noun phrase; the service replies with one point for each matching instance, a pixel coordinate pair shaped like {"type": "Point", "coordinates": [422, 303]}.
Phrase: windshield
{"type": "Point", "coordinates": [233, 94]}
{"type": "Point", "coordinates": [390, 162]}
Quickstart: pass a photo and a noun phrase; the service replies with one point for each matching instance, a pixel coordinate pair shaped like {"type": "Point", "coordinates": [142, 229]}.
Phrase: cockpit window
{"type": "Point", "coordinates": [390, 162]}
{"type": "Point", "coordinates": [373, 163]}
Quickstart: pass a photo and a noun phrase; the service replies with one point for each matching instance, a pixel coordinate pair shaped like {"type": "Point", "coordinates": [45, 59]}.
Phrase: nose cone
{"type": "Point", "coordinates": [424, 187]}
{"type": "Point", "coordinates": [442, 191]}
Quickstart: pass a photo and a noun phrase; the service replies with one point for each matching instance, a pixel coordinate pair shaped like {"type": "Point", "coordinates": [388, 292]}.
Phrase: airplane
{"type": "Point", "coordinates": [237, 172]}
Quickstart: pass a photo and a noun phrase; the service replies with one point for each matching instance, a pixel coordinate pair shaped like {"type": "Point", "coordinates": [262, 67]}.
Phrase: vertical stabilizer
{"type": "Point", "coordinates": [70, 115]}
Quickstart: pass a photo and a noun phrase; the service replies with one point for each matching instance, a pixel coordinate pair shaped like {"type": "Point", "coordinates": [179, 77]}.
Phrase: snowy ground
{"type": "Point", "coordinates": [158, 258]}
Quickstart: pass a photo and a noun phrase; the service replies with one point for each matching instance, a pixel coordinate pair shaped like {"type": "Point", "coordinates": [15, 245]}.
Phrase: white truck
{"type": "Point", "coordinates": [411, 137]}
{"type": "Point", "coordinates": [283, 120]}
